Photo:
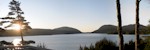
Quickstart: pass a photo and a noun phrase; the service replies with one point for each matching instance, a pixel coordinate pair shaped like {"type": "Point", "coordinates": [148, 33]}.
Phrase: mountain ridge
{"type": "Point", "coordinates": [61, 30]}
{"type": "Point", "coordinates": [112, 29]}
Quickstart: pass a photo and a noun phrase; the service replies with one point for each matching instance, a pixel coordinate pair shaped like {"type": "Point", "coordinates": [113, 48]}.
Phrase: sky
{"type": "Point", "coordinates": [84, 15]}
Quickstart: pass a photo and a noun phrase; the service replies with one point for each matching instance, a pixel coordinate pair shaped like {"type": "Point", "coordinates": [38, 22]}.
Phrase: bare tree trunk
{"type": "Point", "coordinates": [137, 25]}
{"type": "Point", "coordinates": [119, 28]}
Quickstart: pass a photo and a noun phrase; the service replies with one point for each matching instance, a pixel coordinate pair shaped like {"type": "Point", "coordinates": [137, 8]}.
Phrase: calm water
{"type": "Point", "coordinates": [69, 41]}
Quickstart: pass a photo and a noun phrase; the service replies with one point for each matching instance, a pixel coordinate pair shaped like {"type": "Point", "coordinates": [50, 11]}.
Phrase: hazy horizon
{"type": "Point", "coordinates": [85, 15]}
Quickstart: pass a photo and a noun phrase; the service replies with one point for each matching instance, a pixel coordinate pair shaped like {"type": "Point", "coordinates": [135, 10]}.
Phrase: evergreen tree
{"type": "Point", "coordinates": [103, 44]}
{"type": "Point", "coordinates": [18, 19]}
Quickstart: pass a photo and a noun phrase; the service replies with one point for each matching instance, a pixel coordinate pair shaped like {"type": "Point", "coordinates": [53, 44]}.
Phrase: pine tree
{"type": "Point", "coordinates": [18, 19]}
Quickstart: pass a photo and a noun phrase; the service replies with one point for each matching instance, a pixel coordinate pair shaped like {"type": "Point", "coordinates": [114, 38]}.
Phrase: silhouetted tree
{"type": "Point", "coordinates": [86, 48]}
{"type": "Point", "coordinates": [109, 45]}
{"type": "Point", "coordinates": [80, 48]}
{"type": "Point", "coordinates": [119, 25]}
{"type": "Point", "coordinates": [137, 25]}
{"type": "Point", "coordinates": [19, 19]}
{"type": "Point", "coordinates": [103, 44]}
{"type": "Point", "coordinates": [92, 47]}
{"type": "Point", "coordinates": [2, 43]}
{"type": "Point", "coordinates": [147, 46]}
{"type": "Point", "coordinates": [129, 46]}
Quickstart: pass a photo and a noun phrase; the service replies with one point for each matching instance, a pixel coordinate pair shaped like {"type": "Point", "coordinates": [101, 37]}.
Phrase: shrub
{"type": "Point", "coordinates": [109, 45]}
{"type": "Point", "coordinates": [103, 44]}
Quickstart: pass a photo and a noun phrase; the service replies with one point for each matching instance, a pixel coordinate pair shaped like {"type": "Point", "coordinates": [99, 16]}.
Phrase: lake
{"type": "Point", "coordinates": [69, 41]}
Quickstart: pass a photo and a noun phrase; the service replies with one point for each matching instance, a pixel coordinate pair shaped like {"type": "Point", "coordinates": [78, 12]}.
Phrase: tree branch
{"type": "Point", "coordinates": [139, 0]}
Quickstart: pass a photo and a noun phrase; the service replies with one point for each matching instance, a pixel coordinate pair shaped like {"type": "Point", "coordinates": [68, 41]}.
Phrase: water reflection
{"type": "Point", "coordinates": [70, 41]}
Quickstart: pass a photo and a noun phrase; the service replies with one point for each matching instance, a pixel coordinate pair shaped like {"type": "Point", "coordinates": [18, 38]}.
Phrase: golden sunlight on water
{"type": "Point", "coordinates": [17, 42]}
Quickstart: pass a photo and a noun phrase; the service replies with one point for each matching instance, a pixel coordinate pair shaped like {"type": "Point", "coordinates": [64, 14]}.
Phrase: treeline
{"type": "Point", "coordinates": [109, 45]}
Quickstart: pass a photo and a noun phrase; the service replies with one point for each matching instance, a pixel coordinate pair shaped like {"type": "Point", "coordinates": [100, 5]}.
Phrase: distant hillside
{"type": "Point", "coordinates": [39, 32]}
{"type": "Point", "coordinates": [128, 29]}
{"type": "Point", "coordinates": [66, 30]}
{"type": "Point", "coordinates": [61, 30]}
{"type": "Point", "coordinates": [106, 29]}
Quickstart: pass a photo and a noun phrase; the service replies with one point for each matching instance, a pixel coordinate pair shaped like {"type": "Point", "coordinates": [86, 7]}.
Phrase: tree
{"type": "Point", "coordinates": [137, 25]}
{"type": "Point", "coordinates": [103, 44]}
{"type": "Point", "coordinates": [19, 19]}
{"type": "Point", "coordinates": [119, 25]}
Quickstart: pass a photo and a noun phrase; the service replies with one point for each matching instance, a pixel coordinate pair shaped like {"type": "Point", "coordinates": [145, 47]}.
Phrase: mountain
{"type": "Point", "coordinates": [61, 30]}
{"type": "Point", "coordinates": [127, 29]}
{"type": "Point", "coordinates": [131, 27]}
{"type": "Point", "coordinates": [66, 30]}
{"type": "Point", "coordinates": [39, 32]}
{"type": "Point", "coordinates": [106, 29]}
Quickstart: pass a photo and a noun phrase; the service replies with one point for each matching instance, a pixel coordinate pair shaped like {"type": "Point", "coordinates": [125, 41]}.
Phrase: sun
{"type": "Point", "coordinates": [17, 42]}
{"type": "Point", "coordinates": [16, 27]}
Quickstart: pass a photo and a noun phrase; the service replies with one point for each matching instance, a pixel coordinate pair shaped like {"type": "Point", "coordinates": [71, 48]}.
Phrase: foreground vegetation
{"type": "Point", "coordinates": [109, 45]}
